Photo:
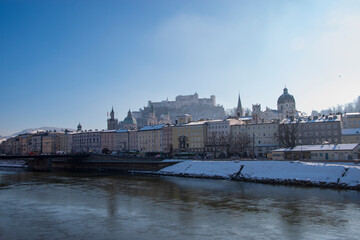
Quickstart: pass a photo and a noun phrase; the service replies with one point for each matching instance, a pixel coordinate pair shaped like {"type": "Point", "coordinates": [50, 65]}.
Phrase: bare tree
{"type": "Point", "coordinates": [288, 133]}
{"type": "Point", "coordinates": [226, 142]}
{"type": "Point", "coordinates": [213, 143]}
{"type": "Point", "coordinates": [247, 112]}
{"type": "Point", "coordinates": [240, 145]}
{"type": "Point", "coordinates": [230, 112]}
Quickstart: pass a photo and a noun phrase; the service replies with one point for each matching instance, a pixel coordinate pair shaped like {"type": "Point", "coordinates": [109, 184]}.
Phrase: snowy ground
{"type": "Point", "coordinates": [12, 163]}
{"type": "Point", "coordinates": [317, 173]}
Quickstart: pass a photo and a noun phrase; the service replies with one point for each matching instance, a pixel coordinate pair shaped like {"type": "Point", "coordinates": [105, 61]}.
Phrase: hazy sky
{"type": "Point", "coordinates": [64, 62]}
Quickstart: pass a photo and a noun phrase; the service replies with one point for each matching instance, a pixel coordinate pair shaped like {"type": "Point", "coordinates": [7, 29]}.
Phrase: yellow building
{"type": "Point", "coordinates": [51, 143]}
{"type": "Point", "coordinates": [150, 138]}
{"type": "Point", "coordinates": [189, 137]}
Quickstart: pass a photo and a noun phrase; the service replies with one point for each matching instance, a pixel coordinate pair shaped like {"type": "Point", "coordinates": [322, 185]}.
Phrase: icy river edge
{"type": "Point", "coordinates": [331, 175]}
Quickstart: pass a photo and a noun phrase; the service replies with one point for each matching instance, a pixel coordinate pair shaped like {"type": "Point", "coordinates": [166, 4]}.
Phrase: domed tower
{"type": "Point", "coordinates": [129, 122]}
{"type": "Point", "coordinates": [286, 104]}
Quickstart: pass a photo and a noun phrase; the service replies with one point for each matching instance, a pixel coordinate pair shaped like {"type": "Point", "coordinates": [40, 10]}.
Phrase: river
{"type": "Point", "coordinates": [99, 206]}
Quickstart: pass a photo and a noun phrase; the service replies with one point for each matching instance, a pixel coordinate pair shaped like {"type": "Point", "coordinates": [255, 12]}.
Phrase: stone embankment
{"type": "Point", "coordinates": [331, 175]}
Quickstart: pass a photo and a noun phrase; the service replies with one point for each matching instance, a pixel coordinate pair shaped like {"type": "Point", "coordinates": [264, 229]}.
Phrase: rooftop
{"type": "Point", "coordinates": [315, 119]}
{"type": "Point", "coordinates": [351, 131]}
{"type": "Point", "coordinates": [325, 147]}
{"type": "Point", "coordinates": [155, 127]}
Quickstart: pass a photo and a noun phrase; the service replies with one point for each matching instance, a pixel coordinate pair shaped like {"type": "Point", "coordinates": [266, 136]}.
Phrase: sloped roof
{"type": "Point", "coordinates": [122, 131]}
{"type": "Point", "coordinates": [325, 147]}
{"type": "Point", "coordinates": [155, 127]}
{"type": "Point", "coordinates": [351, 131]}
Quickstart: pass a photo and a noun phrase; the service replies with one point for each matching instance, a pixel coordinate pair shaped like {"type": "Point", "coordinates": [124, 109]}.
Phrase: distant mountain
{"type": "Point", "coordinates": [35, 130]}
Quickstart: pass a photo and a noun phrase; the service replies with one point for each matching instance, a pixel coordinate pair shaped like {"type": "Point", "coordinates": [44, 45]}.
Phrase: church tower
{"type": "Point", "coordinates": [152, 118]}
{"type": "Point", "coordinates": [286, 104]}
{"type": "Point", "coordinates": [112, 122]}
{"type": "Point", "coordinates": [239, 109]}
{"type": "Point", "coordinates": [129, 122]}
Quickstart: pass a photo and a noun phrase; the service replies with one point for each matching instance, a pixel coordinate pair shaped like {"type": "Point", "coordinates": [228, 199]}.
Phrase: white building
{"type": "Point", "coordinates": [319, 152]}
{"type": "Point", "coordinates": [86, 141]}
{"type": "Point", "coordinates": [262, 137]}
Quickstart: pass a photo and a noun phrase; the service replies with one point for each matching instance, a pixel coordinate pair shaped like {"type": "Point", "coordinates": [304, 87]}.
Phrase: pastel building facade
{"type": "Point", "coordinates": [190, 137]}
{"type": "Point", "coordinates": [51, 143]}
{"type": "Point", "coordinates": [133, 140]}
{"type": "Point", "coordinates": [87, 141]}
{"type": "Point", "coordinates": [121, 140]}
{"type": "Point", "coordinates": [262, 138]}
{"type": "Point", "coordinates": [108, 140]}
{"type": "Point", "coordinates": [150, 138]}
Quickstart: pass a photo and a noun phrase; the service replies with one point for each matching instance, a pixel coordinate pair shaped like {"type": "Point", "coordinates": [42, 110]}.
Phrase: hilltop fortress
{"type": "Point", "coordinates": [186, 100]}
{"type": "Point", "coordinates": [165, 111]}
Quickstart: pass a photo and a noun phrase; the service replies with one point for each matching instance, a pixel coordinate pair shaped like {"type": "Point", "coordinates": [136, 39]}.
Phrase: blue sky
{"type": "Point", "coordinates": [64, 62]}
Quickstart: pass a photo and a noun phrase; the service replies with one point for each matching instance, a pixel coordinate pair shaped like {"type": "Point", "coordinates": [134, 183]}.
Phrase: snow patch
{"type": "Point", "coordinates": [317, 173]}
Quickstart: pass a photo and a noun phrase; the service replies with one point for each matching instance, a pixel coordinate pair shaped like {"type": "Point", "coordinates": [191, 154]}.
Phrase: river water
{"type": "Point", "coordinates": [98, 206]}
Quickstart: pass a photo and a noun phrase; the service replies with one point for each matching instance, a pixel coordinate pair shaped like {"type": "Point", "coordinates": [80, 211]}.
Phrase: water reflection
{"type": "Point", "coordinates": [94, 206]}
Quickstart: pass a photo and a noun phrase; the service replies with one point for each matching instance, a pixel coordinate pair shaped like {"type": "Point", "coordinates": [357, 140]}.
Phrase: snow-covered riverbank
{"type": "Point", "coordinates": [12, 163]}
{"type": "Point", "coordinates": [340, 175]}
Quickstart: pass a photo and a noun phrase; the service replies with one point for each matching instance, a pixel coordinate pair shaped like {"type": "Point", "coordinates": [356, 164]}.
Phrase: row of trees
{"type": "Point", "coordinates": [226, 145]}
{"type": "Point", "coordinates": [241, 145]}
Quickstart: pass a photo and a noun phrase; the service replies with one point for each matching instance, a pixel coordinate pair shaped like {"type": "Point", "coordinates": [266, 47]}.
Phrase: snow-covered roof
{"type": "Point", "coordinates": [122, 131]}
{"type": "Point", "coordinates": [325, 147]}
{"type": "Point", "coordinates": [195, 123]}
{"type": "Point", "coordinates": [351, 131]}
{"type": "Point", "coordinates": [191, 124]}
{"type": "Point", "coordinates": [247, 118]}
{"type": "Point", "coordinates": [331, 118]}
{"type": "Point", "coordinates": [352, 114]}
{"type": "Point", "coordinates": [155, 127]}
{"type": "Point", "coordinates": [108, 131]}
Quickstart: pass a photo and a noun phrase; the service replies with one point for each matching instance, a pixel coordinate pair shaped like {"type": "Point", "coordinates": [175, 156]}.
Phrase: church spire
{"type": "Point", "coordinates": [112, 113]}
{"type": "Point", "coordinates": [239, 109]}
